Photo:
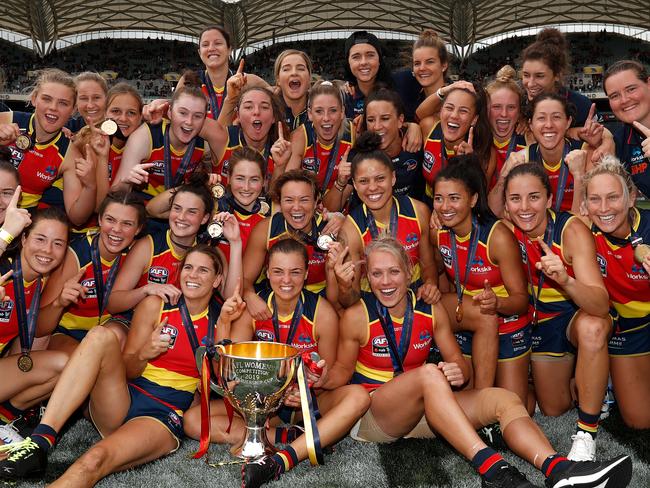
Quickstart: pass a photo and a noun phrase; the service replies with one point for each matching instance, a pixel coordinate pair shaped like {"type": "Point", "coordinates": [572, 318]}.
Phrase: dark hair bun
{"type": "Point", "coordinates": [191, 79]}
{"type": "Point", "coordinates": [367, 142]}
{"type": "Point", "coordinates": [552, 36]}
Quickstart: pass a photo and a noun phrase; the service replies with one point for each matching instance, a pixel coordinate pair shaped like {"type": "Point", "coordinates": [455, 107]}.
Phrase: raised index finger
{"type": "Point", "coordinates": [280, 131]}
{"type": "Point", "coordinates": [240, 69]}
{"type": "Point", "coordinates": [545, 249]}
{"type": "Point", "coordinates": [13, 203]}
{"type": "Point", "coordinates": [641, 128]}
{"type": "Point", "coordinates": [470, 139]}
{"type": "Point", "coordinates": [592, 112]}
{"type": "Point", "coordinates": [6, 276]}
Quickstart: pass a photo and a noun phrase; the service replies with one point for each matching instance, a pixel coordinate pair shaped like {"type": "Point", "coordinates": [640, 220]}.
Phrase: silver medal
{"type": "Point", "coordinates": [109, 127]}
{"type": "Point", "coordinates": [215, 230]}
{"type": "Point", "coordinates": [324, 241]}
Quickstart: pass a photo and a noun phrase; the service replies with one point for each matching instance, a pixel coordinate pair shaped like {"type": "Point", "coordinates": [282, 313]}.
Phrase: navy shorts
{"type": "Point", "coordinates": [512, 345]}
{"type": "Point", "coordinates": [550, 336]}
{"type": "Point", "coordinates": [629, 343]}
{"type": "Point", "coordinates": [145, 405]}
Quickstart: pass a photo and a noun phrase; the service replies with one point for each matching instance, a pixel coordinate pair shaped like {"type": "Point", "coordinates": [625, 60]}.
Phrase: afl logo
{"type": "Point", "coordinates": [158, 168]}
{"type": "Point", "coordinates": [524, 254]}
{"type": "Point", "coordinates": [265, 335]}
{"type": "Point", "coordinates": [602, 262]}
{"type": "Point", "coordinates": [411, 165]}
{"type": "Point", "coordinates": [5, 310]}
{"type": "Point", "coordinates": [445, 252]}
{"type": "Point", "coordinates": [172, 332]}
{"type": "Point", "coordinates": [89, 284]}
{"type": "Point", "coordinates": [380, 346]}
{"type": "Point", "coordinates": [158, 274]}
{"type": "Point", "coordinates": [309, 164]}
{"type": "Point", "coordinates": [429, 161]}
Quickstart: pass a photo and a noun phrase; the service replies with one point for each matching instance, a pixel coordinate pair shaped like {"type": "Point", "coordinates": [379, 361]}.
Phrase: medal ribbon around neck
{"type": "Point", "coordinates": [173, 182]}
{"type": "Point", "coordinates": [392, 225]}
{"type": "Point", "coordinates": [471, 252]}
{"type": "Point", "coordinates": [26, 318]}
{"type": "Point", "coordinates": [397, 354]}
{"type": "Point", "coordinates": [102, 289]}
{"type": "Point", "coordinates": [331, 160]}
{"type": "Point", "coordinates": [215, 107]}
{"type": "Point", "coordinates": [564, 173]}
{"type": "Point", "coordinates": [295, 320]}
{"type": "Point", "coordinates": [548, 239]}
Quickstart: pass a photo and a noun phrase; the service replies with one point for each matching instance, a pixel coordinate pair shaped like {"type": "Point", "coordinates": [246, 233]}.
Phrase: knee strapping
{"type": "Point", "coordinates": [499, 405]}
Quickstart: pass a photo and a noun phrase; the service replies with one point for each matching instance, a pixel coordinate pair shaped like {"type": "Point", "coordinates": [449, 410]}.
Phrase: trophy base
{"type": "Point", "coordinates": [256, 445]}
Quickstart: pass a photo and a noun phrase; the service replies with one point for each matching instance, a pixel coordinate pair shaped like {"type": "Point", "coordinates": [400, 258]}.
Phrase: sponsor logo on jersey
{"type": "Point", "coordinates": [265, 335]}
{"type": "Point", "coordinates": [445, 252]}
{"type": "Point", "coordinates": [89, 284]}
{"type": "Point", "coordinates": [429, 161]}
{"type": "Point", "coordinates": [309, 164]}
{"type": "Point", "coordinates": [412, 241]}
{"type": "Point", "coordinates": [158, 168]}
{"type": "Point", "coordinates": [380, 346]}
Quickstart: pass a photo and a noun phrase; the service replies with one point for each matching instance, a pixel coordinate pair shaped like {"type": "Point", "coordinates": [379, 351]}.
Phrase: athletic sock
{"type": "Point", "coordinates": [588, 423]}
{"type": "Point", "coordinates": [9, 413]}
{"type": "Point", "coordinates": [44, 436]}
{"type": "Point", "coordinates": [554, 462]}
{"type": "Point", "coordinates": [488, 462]}
{"type": "Point", "coordinates": [286, 435]}
{"type": "Point", "coordinates": [286, 458]}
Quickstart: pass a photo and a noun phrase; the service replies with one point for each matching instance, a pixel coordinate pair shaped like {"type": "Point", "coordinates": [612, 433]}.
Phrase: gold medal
{"type": "Point", "coordinates": [535, 317]}
{"type": "Point", "coordinates": [640, 252]}
{"type": "Point", "coordinates": [109, 127]}
{"type": "Point", "coordinates": [218, 191]}
{"type": "Point", "coordinates": [459, 312]}
{"type": "Point", "coordinates": [23, 142]}
{"type": "Point", "coordinates": [215, 230]}
{"type": "Point", "coordinates": [25, 363]}
{"type": "Point", "coordinates": [264, 207]}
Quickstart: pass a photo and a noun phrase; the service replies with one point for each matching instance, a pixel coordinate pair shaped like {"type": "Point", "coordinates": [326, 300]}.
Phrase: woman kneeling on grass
{"type": "Point", "coordinates": [383, 344]}
{"type": "Point", "coordinates": [136, 395]}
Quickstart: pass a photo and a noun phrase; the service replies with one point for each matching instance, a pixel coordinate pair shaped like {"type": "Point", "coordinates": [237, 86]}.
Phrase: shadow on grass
{"type": "Point", "coordinates": [637, 440]}
{"type": "Point", "coordinates": [416, 462]}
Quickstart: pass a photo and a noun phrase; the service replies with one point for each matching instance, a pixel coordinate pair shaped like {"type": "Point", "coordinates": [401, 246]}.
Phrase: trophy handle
{"type": "Point", "coordinates": [198, 356]}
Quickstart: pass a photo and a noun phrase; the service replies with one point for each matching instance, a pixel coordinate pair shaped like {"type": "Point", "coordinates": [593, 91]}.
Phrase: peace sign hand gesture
{"type": "Point", "coordinates": [16, 219]}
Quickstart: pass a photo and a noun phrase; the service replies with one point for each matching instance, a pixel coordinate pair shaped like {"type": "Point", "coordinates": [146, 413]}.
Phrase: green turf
{"type": "Point", "coordinates": [406, 463]}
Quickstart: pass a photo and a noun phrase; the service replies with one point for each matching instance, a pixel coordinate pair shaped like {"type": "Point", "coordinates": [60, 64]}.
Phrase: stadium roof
{"type": "Point", "coordinates": [42, 24]}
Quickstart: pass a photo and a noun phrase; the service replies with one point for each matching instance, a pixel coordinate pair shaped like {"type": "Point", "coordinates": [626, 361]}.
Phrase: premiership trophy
{"type": "Point", "coordinates": [253, 377]}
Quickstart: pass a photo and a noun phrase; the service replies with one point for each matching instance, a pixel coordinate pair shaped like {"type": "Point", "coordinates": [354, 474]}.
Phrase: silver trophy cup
{"type": "Point", "coordinates": [253, 377]}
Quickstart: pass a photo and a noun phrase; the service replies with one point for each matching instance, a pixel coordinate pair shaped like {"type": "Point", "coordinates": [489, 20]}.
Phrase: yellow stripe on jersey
{"type": "Point", "coordinates": [171, 379]}
{"type": "Point", "coordinates": [632, 310]}
{"type": "Point", "coordinates": [373, 374]}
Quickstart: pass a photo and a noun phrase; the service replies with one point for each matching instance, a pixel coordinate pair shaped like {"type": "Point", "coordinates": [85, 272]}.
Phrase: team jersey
{"type": "Point", "coordinates": [114, 161]}
{"type": "Point", "coordinates": [628, 149]}
{"type": "Point", "coordinates": [39, 166]}
{"type": "Point", "coordinates": [374, 366]}
{"type": "Point", "coordinates": [246, 220]}
{"type": "Point", "coordinates": [236, 140]}
{"type": "Point", "coordinates": [434, 158]}
{"type": "Point", "coordinates": [156, 184]}
{"type": "Point", "coordinates": [214, 105]}
{"type": "Point", "coordinates": [502, 151]}
{"type": "Point", "coordinates": [317, 156]}
{"type": "Point", "coordinates": [481, 269]}
{"type": "Point", "coordinates": [8, 312]}
{"type": "Point", "coordinates": [408, 167]}
{"type": "Point", "coordinates": [304, 338]}
{"type": "Point", "coordinates": [354, 105]}
{"type": "Point", "coordinates": [553, 300]}
{"type": "Point", "coordinates": [554, 171]}
{"type": "Point", "coordinates": [316, 276]}
{"type": "Point", "coordinates": [295, 121]}
{"type": "Point", "coordinates": [172, 376]}
{"type": "Point", "coordinates": [164, 263]}
{"type": "Point", "coordinates": [84, 315]}
{"type": "Point", "coordinates": [408, 232]}
{"type": "Point", "coordinates": [625, 279]}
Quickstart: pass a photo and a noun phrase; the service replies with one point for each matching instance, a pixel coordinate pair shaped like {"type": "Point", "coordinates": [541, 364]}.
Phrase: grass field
{"type": "Point", "coordinates": [407, 463]}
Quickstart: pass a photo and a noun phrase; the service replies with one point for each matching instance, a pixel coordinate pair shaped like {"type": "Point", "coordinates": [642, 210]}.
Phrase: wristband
{"type": "Point", "coordinates": [439, 93]}
{"type": "Point", "coordinates": [338, 186]}
{"type": "Point", "coordinates": [6, 236]}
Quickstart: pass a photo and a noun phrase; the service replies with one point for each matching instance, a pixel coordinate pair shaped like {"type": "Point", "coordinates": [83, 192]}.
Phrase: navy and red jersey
{"type": "Point", "coordinates": [304, 338]}
{"type": "Point", "coordinates": [409, 233]}
{"type": "Point", "coordinates": [219, 93]}
{"type": "Point", "coordinates": [316, 155]}
{"type": "Point", "coordinates": [628, 149]}
{"type": "Point", "coordinates": [316, 276]}
{"type": "Point", "coordinates": [434, 159]}
{"type": "Point", "coordinates": [172, 376]}
{"type": "Point", "coordinates": [553, 300]}
{"type": "Point", "coordinates": [39, 166]}
{"type": "Point", "coordinates": [156, 184]}
{"type": "Point", "coordinates": [8, 313]}
{"type": "Point", "coordinates": [164, 263]}
{"type": "Point", "coordinates": [625, 279]}
{"type": "Point", "coordinates": [554, 169]}
{"type": "Point", "coordinates": [374, 366]}
{"type": "Point", "coordinates": [502, 151]}
{"type": "Point", "coordinates": [84, 315]}
{"type": "Point", "coordinates": [481, 269]}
